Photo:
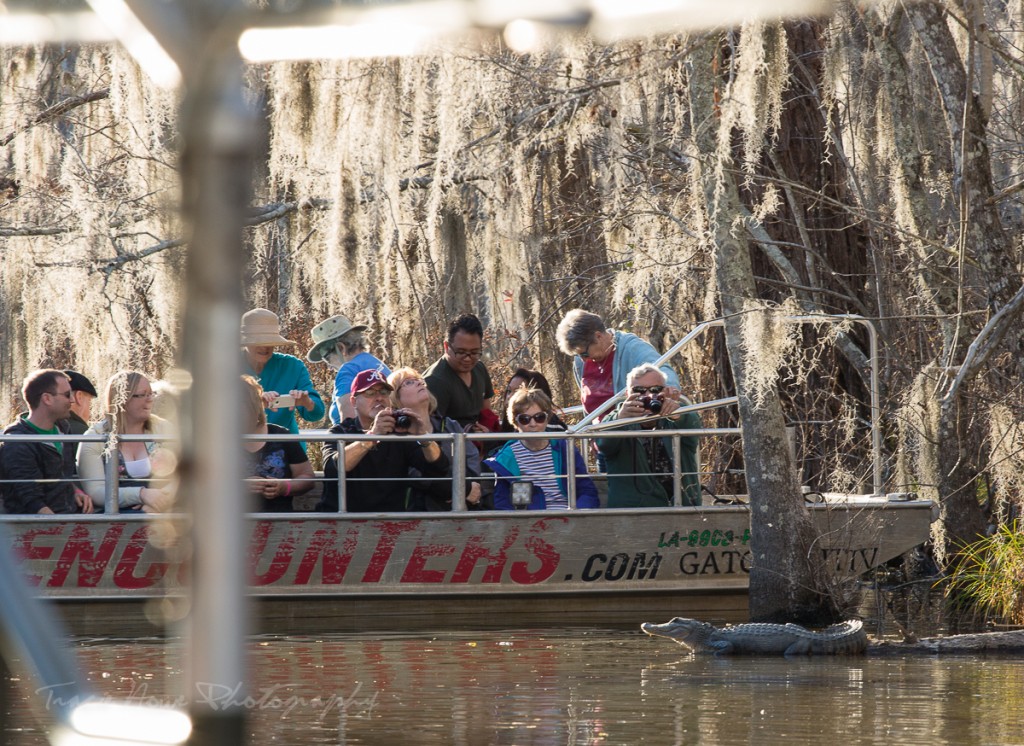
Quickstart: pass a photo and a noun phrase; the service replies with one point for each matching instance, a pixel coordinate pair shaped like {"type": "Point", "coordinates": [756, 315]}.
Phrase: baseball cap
{"type": "Point", "coordinates": [367, 379]}
{"type": "Point", "coordinates": [80, 382]}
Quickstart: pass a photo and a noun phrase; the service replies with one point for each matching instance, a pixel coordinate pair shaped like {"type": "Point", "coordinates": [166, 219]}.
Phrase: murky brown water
{"type": "Point", "coordinates": [578, 687]}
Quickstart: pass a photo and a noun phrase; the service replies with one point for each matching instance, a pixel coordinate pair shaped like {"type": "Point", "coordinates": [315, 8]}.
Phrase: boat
{"type": "Point", "coordinates": [121, 575]}
{"type": "Point", "coordinates": [126, 574]}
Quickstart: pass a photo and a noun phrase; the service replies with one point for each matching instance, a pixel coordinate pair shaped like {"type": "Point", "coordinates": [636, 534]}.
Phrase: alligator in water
{"type": "Point", "coordinates": [846, 638]}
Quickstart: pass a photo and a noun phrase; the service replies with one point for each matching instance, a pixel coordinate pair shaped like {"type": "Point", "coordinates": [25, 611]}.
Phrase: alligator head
{"type": "Point", "coordinates": [688, 632]}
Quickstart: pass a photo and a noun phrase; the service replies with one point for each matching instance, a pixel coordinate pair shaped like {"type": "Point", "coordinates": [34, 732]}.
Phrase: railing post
{"type": "Point", "coordinates": [677, 470]}
{"type": "Point", "coordinates": [111, 481]}
{"type": "Point", "coordinates": [570, 471]}
{"type": "Point", "coordinates": [458, 472]}
{"type": "Point", "coordinates": [342, 486]}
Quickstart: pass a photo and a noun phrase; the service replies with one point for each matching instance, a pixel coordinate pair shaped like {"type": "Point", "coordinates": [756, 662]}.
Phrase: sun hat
{"type": "Point", "coordinates": [261, 327]}
{"type": "Point", "coordinates": [326, 333]}
{"type": "Point", "coordinates": [80, 383]}
{"type": "Point", "coordinates": [367, 379]}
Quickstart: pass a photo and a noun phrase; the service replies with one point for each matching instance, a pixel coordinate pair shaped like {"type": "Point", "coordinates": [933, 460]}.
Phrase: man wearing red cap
{"type": "Point", "coordinates": [375, 470]}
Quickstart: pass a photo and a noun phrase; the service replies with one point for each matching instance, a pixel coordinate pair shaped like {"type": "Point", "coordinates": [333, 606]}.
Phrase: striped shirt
{"type": "Point", "coordinates": [539, 466]}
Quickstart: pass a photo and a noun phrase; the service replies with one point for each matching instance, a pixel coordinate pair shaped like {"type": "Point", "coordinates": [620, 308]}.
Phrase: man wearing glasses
{"type": "Point", "coordinates": [459, 379]}
{"type": "Point", "coordinates": [376, 471]}
{"type": "Point", "coordinates": [23, 464]}
{"type": "Point", "coordinates": [640, 469]}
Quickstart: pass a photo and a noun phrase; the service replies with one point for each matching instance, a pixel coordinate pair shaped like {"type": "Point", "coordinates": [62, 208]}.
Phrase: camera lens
{"type": "Point", "coordinates": [403, 421]}
{"type": "Point", "coordinates": [651, 404]}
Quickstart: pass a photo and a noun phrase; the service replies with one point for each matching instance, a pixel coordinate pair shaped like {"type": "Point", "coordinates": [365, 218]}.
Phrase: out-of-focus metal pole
{"type": "Point", "coordinates": [221, 141]}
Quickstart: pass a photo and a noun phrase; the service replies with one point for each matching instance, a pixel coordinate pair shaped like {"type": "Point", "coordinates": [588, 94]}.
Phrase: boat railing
{"type": "Point", "coordinates": [458, 441]}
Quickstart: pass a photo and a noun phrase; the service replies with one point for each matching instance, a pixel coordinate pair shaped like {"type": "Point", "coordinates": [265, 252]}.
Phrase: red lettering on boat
{"type": "Point", "coordinates": [26, 549]}
{"type": "Point", "coordinates": [283, 551]}
{"type": "Point", "coordinates": [549, 557]}
{"type": "Point", "coordinates": [415, 569]}
{"type": "Point", "coordinates": [389, 533]}
{"type": "Point", "coordinates": [335, 563]}
{"type": "Point", "coordinates": [92, 563]}
{"type": "Point", "coordinates": [124, 573]}
{"type": "Point", "coordinates": [475, 551]}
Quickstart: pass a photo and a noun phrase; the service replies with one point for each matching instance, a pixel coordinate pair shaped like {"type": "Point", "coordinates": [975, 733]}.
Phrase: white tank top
{"type": "Point", "coordinates": [140, 469]}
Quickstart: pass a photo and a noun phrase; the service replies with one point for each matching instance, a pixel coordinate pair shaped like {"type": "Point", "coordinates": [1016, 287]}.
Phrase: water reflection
{"type": "Point", "coordinates": [576, 687]}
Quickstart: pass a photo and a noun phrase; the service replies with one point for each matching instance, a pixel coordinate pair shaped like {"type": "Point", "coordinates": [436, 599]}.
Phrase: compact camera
{"type": "Point", "coordinates": [651, 403]}
{"type": "Point", "coordinates": [402, 420]}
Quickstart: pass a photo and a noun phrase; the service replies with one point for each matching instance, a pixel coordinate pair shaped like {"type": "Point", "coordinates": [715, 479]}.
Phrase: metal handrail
{"type": "Point", "coordinates": [458, 440]}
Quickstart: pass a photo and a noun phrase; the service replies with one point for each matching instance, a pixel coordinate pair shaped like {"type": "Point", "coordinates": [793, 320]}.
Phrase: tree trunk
{"type": "Point", "coordinates": [783, 582]}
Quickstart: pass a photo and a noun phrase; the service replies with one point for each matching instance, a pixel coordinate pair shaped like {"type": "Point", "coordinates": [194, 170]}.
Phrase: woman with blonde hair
{"type": "Point", "coordinates": [411, 393]}
{"type": "Point", "coordinates": [276, 471]}
{"type": "Point", "coordinates": [144, 467]}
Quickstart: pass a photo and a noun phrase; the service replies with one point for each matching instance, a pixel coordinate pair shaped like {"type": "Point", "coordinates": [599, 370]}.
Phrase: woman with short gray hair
{"type": "Point", "coordinates": [603, 357]}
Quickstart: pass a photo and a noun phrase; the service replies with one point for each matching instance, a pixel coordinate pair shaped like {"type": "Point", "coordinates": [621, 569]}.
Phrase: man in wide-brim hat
{"type": "Point", "coordinates": [277, 372]}
{"type": "Point", "coordinates": [342, 345]}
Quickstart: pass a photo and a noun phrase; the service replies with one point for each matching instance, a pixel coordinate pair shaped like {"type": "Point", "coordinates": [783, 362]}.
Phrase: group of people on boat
{"type": "Point", "coordinates": [382, 474]}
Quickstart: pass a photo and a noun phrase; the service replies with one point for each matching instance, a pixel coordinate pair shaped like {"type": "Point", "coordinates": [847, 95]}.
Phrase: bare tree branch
{"type": "Point", "coordinates": [58, 109]}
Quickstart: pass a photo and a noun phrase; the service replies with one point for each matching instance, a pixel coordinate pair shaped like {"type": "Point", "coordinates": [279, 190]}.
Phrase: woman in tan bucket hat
{"type": "Point", "coordinates": [279, 374]}
{"type": "Point", "coordinates": [343, 347]}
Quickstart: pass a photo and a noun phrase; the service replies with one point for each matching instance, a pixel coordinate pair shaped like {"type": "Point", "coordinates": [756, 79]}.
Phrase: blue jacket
{"type": "Point", "coordinates": [504, 464]}
{"type": "Point", "coordinates": [346, 374]}
{"type": "Point", "coordinates": [630, 351]}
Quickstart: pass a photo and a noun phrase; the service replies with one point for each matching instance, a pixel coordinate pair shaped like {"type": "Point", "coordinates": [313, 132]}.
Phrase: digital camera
{"type": "Point", "coordinates": [651, 403]}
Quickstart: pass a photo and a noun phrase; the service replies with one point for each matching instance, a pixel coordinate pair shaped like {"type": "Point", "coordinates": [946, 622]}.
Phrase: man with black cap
{"type": "Point", "coordinates": [376, 470]}
{"type": "Point", "coordinates": [82, 394]}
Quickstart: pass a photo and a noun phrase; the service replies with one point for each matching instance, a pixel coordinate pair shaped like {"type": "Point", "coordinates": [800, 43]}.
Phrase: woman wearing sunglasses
{"type": "Point", "coordinates": [540, 463]}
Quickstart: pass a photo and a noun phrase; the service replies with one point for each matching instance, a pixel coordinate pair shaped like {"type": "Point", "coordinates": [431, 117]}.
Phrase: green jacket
{"type": "Point", "coordinates": [630, 483]}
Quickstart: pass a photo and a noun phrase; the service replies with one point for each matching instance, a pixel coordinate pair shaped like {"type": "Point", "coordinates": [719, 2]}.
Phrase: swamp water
{"type": "Point", "coordinates": [568, 687]}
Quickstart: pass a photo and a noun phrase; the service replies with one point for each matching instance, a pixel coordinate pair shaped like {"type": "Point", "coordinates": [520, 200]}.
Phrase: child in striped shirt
{"type": "Point", "coordinates": [541, 463]}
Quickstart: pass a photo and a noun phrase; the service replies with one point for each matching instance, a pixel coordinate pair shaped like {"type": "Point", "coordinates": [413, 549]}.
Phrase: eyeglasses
{"type": "Point", "coordinates": [147, 395]}
{"type": "Point", "coordinates": [411, 382]}
{"type": "Point", "coordinates": [524, 419]}
{"type": "Point", "coordinates": [652, 390]}
{"type": "Point", "coordinates": [466, 353]}
{"type": "Point", "coordinates": [374, 393]}
{"type": "Point", "coordinates": [65, 394]}
{"type": "Point", "coordinates": [585, 352]}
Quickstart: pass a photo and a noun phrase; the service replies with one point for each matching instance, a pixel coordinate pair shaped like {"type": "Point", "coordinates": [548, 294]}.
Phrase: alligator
{"type": "Point", "coordinates": [845, 638]}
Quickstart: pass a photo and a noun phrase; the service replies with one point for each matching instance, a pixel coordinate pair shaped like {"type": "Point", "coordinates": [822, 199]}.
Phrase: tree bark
{"type": "Point", "coordinates": [783, 583]}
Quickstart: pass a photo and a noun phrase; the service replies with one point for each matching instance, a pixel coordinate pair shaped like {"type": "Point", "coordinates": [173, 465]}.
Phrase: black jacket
{"type": "Point", "coordinates": [32, 461]}
{"type": "Point", "coordinates": [387, 464]}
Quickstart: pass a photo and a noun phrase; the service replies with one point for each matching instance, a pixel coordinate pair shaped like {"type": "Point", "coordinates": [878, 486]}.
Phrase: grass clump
{"type": "Point", "coordinates": [990, 575]}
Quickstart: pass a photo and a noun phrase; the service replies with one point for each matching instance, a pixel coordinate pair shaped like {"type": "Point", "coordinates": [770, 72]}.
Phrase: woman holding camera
{"type": "Point", "coordinates": [539, 463]}
{"type": "Point", "coordinates": [411, 394]}
{"type": "Point", "coordinates": [287, 387]}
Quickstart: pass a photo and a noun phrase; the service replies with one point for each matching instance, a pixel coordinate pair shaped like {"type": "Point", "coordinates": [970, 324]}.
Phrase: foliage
{"type": "Point", "coordinates": [990, 574]}
{"type": "Point", "coordinates": [877, 155]}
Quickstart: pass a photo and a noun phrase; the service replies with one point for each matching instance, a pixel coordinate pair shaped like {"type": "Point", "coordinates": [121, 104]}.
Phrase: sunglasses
{"type": "Point", "coordinates": [652, 390]}
{"type": "Point", "coordinates": [524, 419]}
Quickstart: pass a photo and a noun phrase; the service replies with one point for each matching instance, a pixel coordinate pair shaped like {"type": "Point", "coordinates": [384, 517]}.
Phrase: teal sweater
{"type": "Point", "coordinates": [284, 373]}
